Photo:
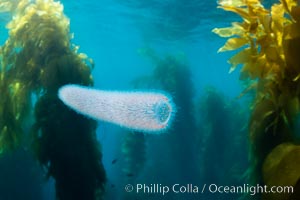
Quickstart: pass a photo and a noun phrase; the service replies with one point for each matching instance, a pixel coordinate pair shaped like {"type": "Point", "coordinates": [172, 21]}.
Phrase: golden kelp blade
{"type": "Point", "coordinates": [240, 58]}
{"type": "Point", "coordinates": [5, 6]}
{"type": "Point", "coordinates": [288, 4]}
{"type": "Point", "coordinates": [281, 168]}
{"type": "Point", "coordinates": [240, 11]}
{"type": "Point", "coordinates": [236, 3]}
{"type": "Point", "coordinates": [233, 44]}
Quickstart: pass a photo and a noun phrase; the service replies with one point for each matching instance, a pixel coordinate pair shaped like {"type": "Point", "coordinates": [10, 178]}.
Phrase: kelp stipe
{"type": "Point", "coordinates": [66, 145]}
{"type": "Point", "coordinates": [223, 141]}
{"type": "Point", "coordinates": [171, 73]}
{"type": "Point", "coordinates": [38, 58]}
{"type": "Point", "coordinates": [135, 156]}
{"type": "Point", "coordinates": [270, 59]}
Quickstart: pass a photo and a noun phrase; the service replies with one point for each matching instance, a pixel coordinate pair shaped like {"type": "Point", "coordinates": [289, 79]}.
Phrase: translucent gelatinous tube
{"type": "Point", "coordinates": [142, 111]}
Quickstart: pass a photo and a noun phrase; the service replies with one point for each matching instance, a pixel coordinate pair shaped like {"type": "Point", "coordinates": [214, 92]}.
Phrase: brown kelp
{"type": "Point", "coordinates": [222, 131]}
{"type": "Point", "coordinates": [171, 73]}
{"type": "Point", "coordinates": [269, 59]}
{"type": "Point", "coordinates": [134, 156]}
{"type": "Point", "coordinates": [134, 152]}
{"type": "Point", "coordinates": [36, 59]}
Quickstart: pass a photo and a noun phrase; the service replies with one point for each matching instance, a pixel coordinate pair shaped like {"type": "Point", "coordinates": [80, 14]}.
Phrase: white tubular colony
{"type": "Point", "coordinates": [142, 111]}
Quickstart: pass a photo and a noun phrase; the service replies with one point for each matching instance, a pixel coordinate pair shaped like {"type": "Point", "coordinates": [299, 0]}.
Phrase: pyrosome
{"type": "Point", "coordinates": [141, 111]}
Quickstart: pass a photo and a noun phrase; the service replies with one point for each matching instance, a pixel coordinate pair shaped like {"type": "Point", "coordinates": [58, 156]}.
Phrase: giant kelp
{"type": "Point", "coordinates": [134, 155]}
{"type": "Point", "coordinates": [66, 145]}
{"type": "Point", "coordinates": [171, 73]}
{"type": "Point", "coordinates": [223, 133]}
{"type": "Point", "coordinates": [271, 41]}
{"type": "Point", "coordinates": [36, 59]}
{"type": "Point", "coordinates": [283, 161]}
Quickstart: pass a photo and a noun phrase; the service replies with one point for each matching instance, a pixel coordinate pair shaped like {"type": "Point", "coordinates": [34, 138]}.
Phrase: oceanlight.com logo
{"type": "Point", "coordinates": [250, 189]}
{"type": "Point", "coordinates": [206, 188]}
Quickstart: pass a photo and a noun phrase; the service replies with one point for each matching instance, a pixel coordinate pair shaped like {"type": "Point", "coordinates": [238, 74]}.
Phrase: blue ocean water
{"type": "Point", "coordinates": [113, 32]}
{"type": "Point", "coordinates": [116, 34]}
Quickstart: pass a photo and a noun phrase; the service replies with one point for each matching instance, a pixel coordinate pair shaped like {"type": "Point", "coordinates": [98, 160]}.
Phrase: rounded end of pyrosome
{"type": "Point", "coordinates": [165, 112]}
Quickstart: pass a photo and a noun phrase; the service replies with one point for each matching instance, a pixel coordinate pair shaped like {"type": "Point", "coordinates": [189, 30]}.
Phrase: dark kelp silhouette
{"type": "Point", "coordinates": [223, 145]}
{"type": "Point", "coordinates": [175, 151]}
{"type": "Point", "coordinates": [37, 59]}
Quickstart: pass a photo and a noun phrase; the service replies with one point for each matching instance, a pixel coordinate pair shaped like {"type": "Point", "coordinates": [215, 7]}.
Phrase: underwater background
{"type": "Point", "coordinates": [236, 118]}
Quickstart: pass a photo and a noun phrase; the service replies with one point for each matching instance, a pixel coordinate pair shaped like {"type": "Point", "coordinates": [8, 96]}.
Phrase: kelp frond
{"type": "Point", "coordinates": [36, 59]}
{"type": "Point", "coordinates": [267, 54]}
{"type": "Point", "coordinates": [269, 43]}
